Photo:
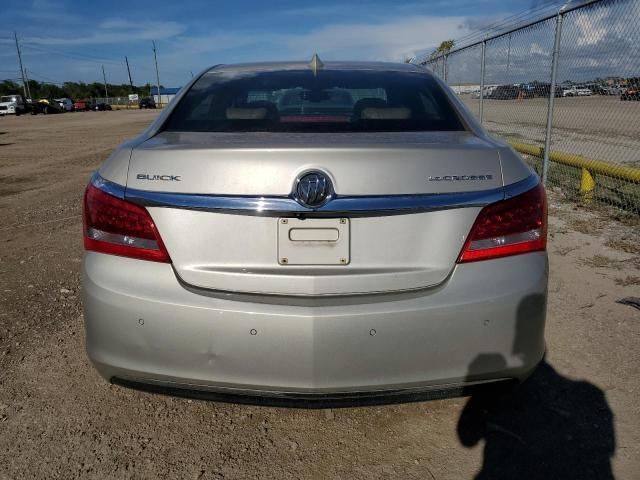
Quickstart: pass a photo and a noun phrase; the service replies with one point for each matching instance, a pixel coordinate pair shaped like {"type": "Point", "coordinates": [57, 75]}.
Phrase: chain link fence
{"type": "Point", "coordinates": [125, 103]}
{"type": "Point", "coordinates": [117, 102]}
{"type": "Point", "coordinates": [564, 91]}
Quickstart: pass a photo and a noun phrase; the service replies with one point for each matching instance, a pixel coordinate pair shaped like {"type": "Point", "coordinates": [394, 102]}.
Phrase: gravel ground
{"type": "Point", "coordinates": [577, 417]}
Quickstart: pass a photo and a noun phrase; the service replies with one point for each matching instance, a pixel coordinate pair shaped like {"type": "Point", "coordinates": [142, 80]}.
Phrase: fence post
{"type": "Point", "coordinates": [552, 96]}
{"type": "Point", "coordinates": [484, 48]}
{"type": "Point", "coordinates": [444, 68]}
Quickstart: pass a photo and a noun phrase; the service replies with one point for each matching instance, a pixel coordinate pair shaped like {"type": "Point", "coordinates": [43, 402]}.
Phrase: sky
{"type": "Point", "coordinates": [70, 40]}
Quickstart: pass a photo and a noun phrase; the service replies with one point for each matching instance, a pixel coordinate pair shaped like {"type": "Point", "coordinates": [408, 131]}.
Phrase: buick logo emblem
{"type": "Point", "coordinates": [313, 189]}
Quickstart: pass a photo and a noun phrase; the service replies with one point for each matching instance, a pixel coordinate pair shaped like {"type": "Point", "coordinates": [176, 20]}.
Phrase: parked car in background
{"type": "Point", "coordinates": [486, 94]}
{"type": "Point", "coordinates": [81, 105]}
{"type": "Point", "coordinates": [527, 90]}
{"type": "Point", "coordinates": [584, 91]}
{"type": "Point", "coordinates": [616, 90]}
{"type": "Point", "coordinates": [46, 106]}
{"type": "Point", "coordinates": [65, 103]}
{"type": "Point", "coordinates": [147, 102]}
{"type": "Point", "coordinates": [13, 105]}
{"type": "Point", "coordinates": [593, 88]}
{"type": "Point", "coordinates": [335, 101]}
{"type": "Point", "coordinates": [631, 93]}
{"type": "Point", "coordinates": [577, 91]}
{"type": "Point", "coordinates": [99, 106]}
{"type": "Point", "coordinates": [541, 89]}
{"type": "Point", "coordinates": [340, 231]}
{"type": "Point", "coordinates": [505, 92]}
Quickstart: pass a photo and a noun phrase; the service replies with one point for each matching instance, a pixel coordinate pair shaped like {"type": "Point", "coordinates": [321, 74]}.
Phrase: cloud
{"type": "Point", "coordinates": [317, 11]}
{"type": "Point", "coordinates": [592, 27]}
{"type": "Point", "coordinates": [389, 40]}
{"type": "Point", "coordinates": [114, 31]}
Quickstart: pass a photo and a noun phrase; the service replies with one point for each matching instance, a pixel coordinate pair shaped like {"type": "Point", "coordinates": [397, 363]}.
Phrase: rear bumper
{"type": "Point", "coordinates": [485, 323]}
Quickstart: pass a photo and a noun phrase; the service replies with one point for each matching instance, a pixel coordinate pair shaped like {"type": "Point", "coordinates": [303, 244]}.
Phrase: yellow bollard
{"type": "Point", "coordinates": [587, 186]}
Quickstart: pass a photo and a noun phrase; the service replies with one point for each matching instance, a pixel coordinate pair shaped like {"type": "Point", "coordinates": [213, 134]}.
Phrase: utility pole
{"type": "Point", "coordinates": [24, 83]}
{"type": "Point", "coordinates": [129, 72]}
{"type": "Point", "coordinates": [130, 81]}
{"type": "Point", "coordinates": [155, 58]}
{"type": "Point", "coordinates": [28, 89]}
{"type": "Point", "coordinates": [106, 92]}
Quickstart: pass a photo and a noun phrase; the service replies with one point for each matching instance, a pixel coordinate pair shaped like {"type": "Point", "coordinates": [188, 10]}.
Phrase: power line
{"type": "Point", "coordinates": [74, 56]}
{"type": "Point", "coordinates": [502, 24]}
{"type": "Point", "coordinates": [507, 21]}
{"type": "Point", "coordinates": [46, 79]}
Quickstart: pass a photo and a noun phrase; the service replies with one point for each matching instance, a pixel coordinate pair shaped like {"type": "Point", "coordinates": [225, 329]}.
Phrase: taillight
{"type": "Point", "coordinates": [118, 227]}
{"type": "Point", "coordinates": [509, 227]}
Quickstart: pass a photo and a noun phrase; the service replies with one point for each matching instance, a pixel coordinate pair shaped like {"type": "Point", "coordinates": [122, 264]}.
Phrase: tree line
{"type": "Point", "coordinates": [74, 90]}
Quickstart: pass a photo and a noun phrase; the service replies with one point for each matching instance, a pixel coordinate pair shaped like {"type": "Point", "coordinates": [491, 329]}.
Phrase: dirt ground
{"type": "Point", "coordinates": [578, 416]}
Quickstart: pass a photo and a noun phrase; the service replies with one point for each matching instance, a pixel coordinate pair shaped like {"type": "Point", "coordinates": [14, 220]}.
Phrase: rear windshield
{"type": "Point", "coordinates": [299, 101]}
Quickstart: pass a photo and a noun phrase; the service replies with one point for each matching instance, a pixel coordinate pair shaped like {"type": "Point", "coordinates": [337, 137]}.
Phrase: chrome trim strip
{"type": "Point", "coordinates": [107, 186]}
{"type": "Point", "coordinates": [353, 206]}
{"type": "Point", "coordinates": [522, 186]}
{"type": "Point", "coordinates": [339, 206]}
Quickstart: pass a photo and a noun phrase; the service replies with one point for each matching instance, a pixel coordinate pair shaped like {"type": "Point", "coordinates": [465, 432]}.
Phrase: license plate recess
{"type": "Point", "coordinates": [313, 241]}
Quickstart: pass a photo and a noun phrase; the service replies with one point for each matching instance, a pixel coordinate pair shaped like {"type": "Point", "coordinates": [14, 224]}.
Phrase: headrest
{"type": "Point", "coordinates": [388, 113]}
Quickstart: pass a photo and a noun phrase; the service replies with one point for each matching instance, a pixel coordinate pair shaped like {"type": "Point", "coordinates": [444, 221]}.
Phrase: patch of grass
{"type": "Point", "coordinates": [600, 261]}
{"type": "Point", "coordinates": [587, 226]}
{"type": "Point", "coordinates": [628, 281]}
{"type": "Point", "coordinates": [624, 245]}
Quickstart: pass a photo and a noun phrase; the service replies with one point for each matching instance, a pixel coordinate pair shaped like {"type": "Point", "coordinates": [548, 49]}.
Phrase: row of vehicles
{"type": "Point", "coordinates": [16, 105]}
{"type": "Point", "coordinates": [531, 90]}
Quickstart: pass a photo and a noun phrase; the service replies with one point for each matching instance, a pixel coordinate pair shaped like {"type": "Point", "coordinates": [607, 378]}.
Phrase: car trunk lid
{"type": "Point", "coordinates": [365, 254]}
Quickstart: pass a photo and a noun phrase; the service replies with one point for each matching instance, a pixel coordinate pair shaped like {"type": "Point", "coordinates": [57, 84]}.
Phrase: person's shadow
{"type": "Point", "coordinates": [549, 427]}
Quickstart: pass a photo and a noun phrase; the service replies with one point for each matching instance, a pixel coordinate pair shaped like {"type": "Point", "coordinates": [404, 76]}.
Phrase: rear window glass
{"type": "Point", "coordinates": [299, 101]}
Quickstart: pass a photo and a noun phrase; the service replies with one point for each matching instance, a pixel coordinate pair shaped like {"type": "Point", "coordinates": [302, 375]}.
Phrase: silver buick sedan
{"type": "Point", "coordinates": [315, 231]}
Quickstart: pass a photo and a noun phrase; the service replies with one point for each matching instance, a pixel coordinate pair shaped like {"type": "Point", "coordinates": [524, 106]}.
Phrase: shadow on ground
{"type": "Point", "coordinates": [549, 427]}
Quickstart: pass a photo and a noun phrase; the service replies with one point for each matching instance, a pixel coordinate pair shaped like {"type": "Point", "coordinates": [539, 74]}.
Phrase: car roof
{"type": "Point", "coordinates": [278, 66]}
